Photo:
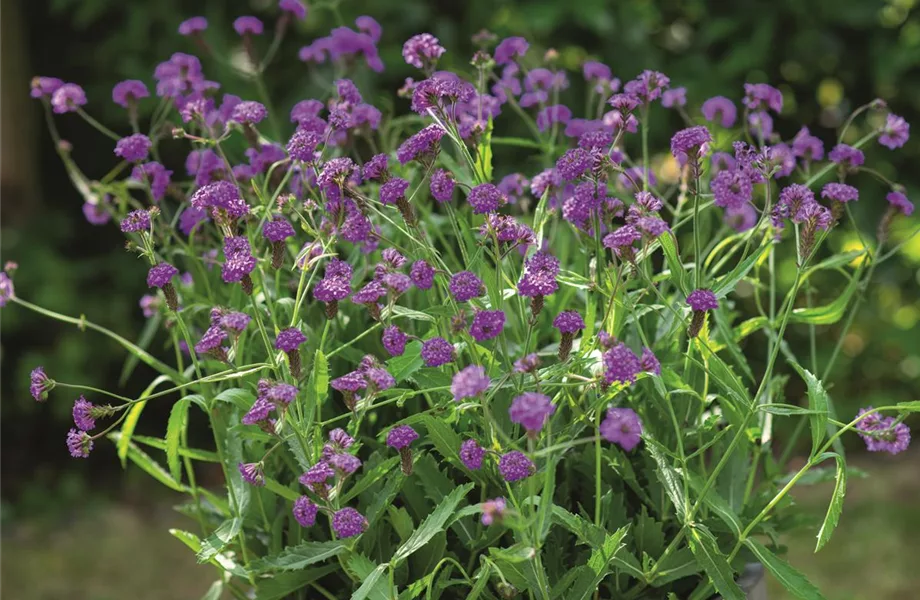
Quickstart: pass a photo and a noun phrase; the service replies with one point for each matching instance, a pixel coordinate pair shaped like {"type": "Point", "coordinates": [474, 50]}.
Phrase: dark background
{"type": "Point", "coordinates": [827, 56]}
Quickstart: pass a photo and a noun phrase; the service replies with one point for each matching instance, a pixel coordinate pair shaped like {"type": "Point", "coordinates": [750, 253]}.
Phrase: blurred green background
{"type": "Point", "coordinates": [88, 530]}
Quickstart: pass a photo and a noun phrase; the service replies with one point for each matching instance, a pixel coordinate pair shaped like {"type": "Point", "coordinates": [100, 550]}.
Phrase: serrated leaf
{"type": "Point", "coordinates": [785, 410]}
{"type": "Point", "coordinates": [283, 584]}
{"type": "Point", "coordinates": [127, 428]}
{"type": "Point", "coordinates": [670, 479]}
{"type": "Point", "coordinates": [794, 582]}
{"type": "Point", "coordinates": [175, 427]}
{"type": "Point", "coordinates": [706, 550]}
{"type": "Point", "coordinates": [370, 478]}
{"type": "Point", "coordinates": [432, 524]}
{"type": "Point", "coordinates": [598, 567]}
{"type": "Point", "coordinates": [445, 440]}
{"type": "Point", "coordinates": [818, 403]}
{"type": "Point", "coordinates": [835, 508]}
{"type": "Point", "coordinates": [362, 567]}
{"type": "Point", "coordinates": [482, 579]}
{"type": "Point", "coordinates": [218, 540]}
{"type": "Point", "coordinates": [829, 313]}
{"type": "Point", "coordinates": [677, 271]}
{"type": "Point", "coordinates": [726, 284]}
{"type": "Point", "coordinates": [402, 367]}
{"type": "Point", "coordinates": [371, 587]}
{"type": "Point", "coordinates": [718, 504]}
{"type": "Point", "coordinates": [294, 558]}
{"type": "Point", "coordinates": [148, 465]}
{"type": "Point", "coordinates": [383, 499]}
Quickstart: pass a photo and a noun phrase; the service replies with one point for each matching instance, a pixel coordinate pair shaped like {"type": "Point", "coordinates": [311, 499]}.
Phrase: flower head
{"type": "Point", "coordinates": [758, 96]}
{"type": "Point", "coordinates": [509, 49]}
{"type": "Point", "coordinates": [442, 185]}
{"type": "Point", "coordinates": [248, 25]}
{"type": "Point", "coordinates": [847, 156]}
{"type": "Point", "coordinates": [422, 50]}
{"type": "Point", "coordinates": [193, 25]}
{"type": "Point", "coordinates": [135, 221]}
{"type": "Point", "coordinates": [702, 300]}
{"type": "Point", "coordinates": [305, 511]}
{"type": "Point", "coordinates": [569, 321]}
{"type": "Point", "coordinates": [375, 168]}
{"type": "Point", "coordinates": [317, 474]}
{"type": "Point", "coordinates": [721, 108]}
{"type": "Point", "coordinates": [690, 143]}
{"type": "Point", "coordinates": [540, 273]}
{"type": "Point", "coordinates": [290, 339]}
{"type": "Point", "coordinates": [394, 340]}
{"type": "Point", "coordinates": [492, 511]}
{"type": "Point", "coordinates": [159, 275]}
{"type": "Point", "coordinates": [899, 202]}
{"type": "Point", "coordinates": [249, 112]}
{"type": "Point", "coordinates": [527, 364]}
{"type": "Point", "coordinates": [883, 434]}
{"type": "Point", "coordinates": [129, 91]}
{"type": "Point", "coordinates": [401, 436]}
{"type": "Point", "coordinates": [277, 230]}
{"type": "Point", "coordinates": [44, 87]}
{"type": "Point", "coordinates": [79, 443]}
{"type": "Point", "coordinates": [515, 466]}
{"type": "Point", "coordinates": [133, 148]}
{"type": "Point", "coordinates": [486, 198]}
{"type": "Point", "coordinates": [348, 522]}
{"type": "Point", "coordinates": [423, 143]}
{"type": "Point", "coordinates": [39, 383]}
{"type": "Point", "coordinates": [487, 324]}
{"type": "Point", "coordinates": [465, 286]}
{"type": "Point", "coordinates": [83, 414]}
{"type": "Point", "coordinates": [239, 259]}
{"type": "Point", "coordinates": [346, 464]}
{"type": "Point", "coordinates": [622, 426]}
{"type": "Point", "coordinates": [422, 275]}
{"type": "Point", "coordinates": [252, 473]}
{"type": "Point", "coordinates": [393, 191]}
{"type": "Point", "coordinates": [531, 409]}
{"type": "Point", "coordinates": [469, 383]}
{"type": "Point", "coordinates": [295, 8]}
{"type": "Point", "coordinates": [471, 455]}
{"type": "Point", "coordinates": [840, 192]}
{"type": "Point", "coordinates": [621, 365]}
{"type": "Point", "coordinates": [437, 351]}
{"type": "Point", "coordinates": [69, 97]}
{"type": "Point", "coordinates": [894, 132]}
{"type": "Point", "coordinates": [649, 362]}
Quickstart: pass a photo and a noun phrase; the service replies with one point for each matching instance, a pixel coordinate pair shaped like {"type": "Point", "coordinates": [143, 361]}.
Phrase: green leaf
{"type": "Point", "coordinates": [285, 492]}
{"type": "Point", "coordinates": [238, 397]}
{"type": "Point", "coordinates": [727, 378]}
{"type": "Point", "coordinates": [403, 366]}
{"type": "Point", "coordinates": [718, 504]}
{"type": "Point", "coordinates": [516, 141]}
{"type": "Point", "coordinates": [836, 504]}
{"type": "Point", "coordinates": [317, 389]}
{"type": "Point", "coordinates": [147, 464]}
{"type": "Point", "coordinates": [215, 591]}
{"type": "Point", "coordinates": [818, 403]}
{"type": "Point", "coordinates": [829, 313]}
{"type": "Point", "coordinates": [218, 540]}
{"type": "Point", "coordinates": [794, 582]}
{"type": "Point", "coordinates": [912, 406]}
{"type": "Point", "coordinates": [362, 568]}
{"type": "Point", "coordinates": [284, 584]}
{"type": "Point", "coordinates": [193, 453]}
{"type": "Point", "coordinates": [384, 498]}
{"type": "Point", "coordinates": [432, 524]}
{"type": "Point", "coordinates": [175, 428]}
{"type": "Point", "coordinates": [484, 155]}
{"type": "Point", "coordinates": [445, 440]}
{"type": "Point", "coordinates": [785, 410]}
{"type": "Point", "coordinates": [370, 478]}
{"type": "Point", "coordinates": [189, 539]}
{"type": "Point", "coordinates": [598, 567]}
{"type": "Point", "coordinates": [294, 558]}
{"type": "Point", "coordinates": [127, 428]}
{"type": "Point", "coordinates": [669, 478]}
{"type": "Point", "coordinates": [678, 273]}
{"type": "Point", "coordinates": [372, 584]}
{"type": "Point", "coordinates": [727, 284]}
{"type": "Point", "coordinates": [482, 580]}
{"type": "Point", "coordinates": [706, 550]}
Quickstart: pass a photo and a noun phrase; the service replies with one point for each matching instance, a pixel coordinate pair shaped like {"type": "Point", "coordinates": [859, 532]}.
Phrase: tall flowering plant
{"type": "Point", "coordinates": [423, 379]}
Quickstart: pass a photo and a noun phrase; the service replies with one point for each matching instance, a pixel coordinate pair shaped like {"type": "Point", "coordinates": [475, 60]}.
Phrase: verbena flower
{"type": "Point", "coordinates": [39, 383]}
{"type": "Point", "coordinates": [289, 341]}
{"type": "Point", "coordinates": [900, 203]}
{"type": "Point", "coordinates": [487, 324]}
{"type": "Point", "coordinates": [894, 133]}
{"type": "Point", "coordinates": [674, 97]}
{"type": "Point", "coordinates": [422, 145]}
{"type": "Point", "coordinates": [509, 49]}
{"type": "Point", "coordinates": [344, 464]}
{"type": "Point", "coordinates": [68, 97]}
{"type": "Point", "coordinates": [464, 286]}
{"type": "Point", "coordinates": [135, 221]}
{"type": "Point", "coordinates": [193, 25]}
{"type": "Point", "coordinates": [700, 302]}
{"type": "Point", "coordinates": [492, 511]}
{"type": "Point", "coordinates": [248, 25]}
{"type": "Point", "coordinates": [839, 192]}
{"type": "Point", "coordinates": [622, 426]}
{"type": "Point", "coordinates": [252, 473]}
{"type": "Point", "coordinates": [759, 96]}
{"type": "Point", "coordinates": [83, 414]}
{"type": "Point", "coordinates": [394, 340]}
{"type": "Point", "coordinates": [437, 351]}
{"type": "Point", "coordinates": [422, 275]}
{"type": "Point", "coordinates": [348, 522]}
{"type": "Point", "coordinates": [882, 434]}
{"type": "Point", "coordinates": [471, 455]}
{"type": "Point", "coordinates": [375, 168]}
{"type": "Point", "coordinates": [79, 443]}
{"type": "Point", "coordinates": [128, 92]}
{"type": "Point", "coordinates": [469, 383]}
{"type": "Point", "coordinates": [690, 144]}
{"type": "Point", "coordinates": [649, 362]}
{"type": "Point", "coordinates": [295, 8]}
{"type": "Point", "coordinates": [847, 156]}
{"type": "Point", "coordinates": [305, 511]}
{"type": "Point", "coordinates": [133, 148]}
{"type": "Point", "coordinates": [422, 50]}
{"type": "Point", "coordinates": [156, 176]}
{"type": "Point", "coordinates": [44, 87]}
{"type": "Point", "coordinates": [238, 262]}
{"type": "Point", "coordinates": [527, 364]}
{"type": "Point", "coordinates": [621, 365]}
{"type": "Point", "coordinates": [515, 466]}
{"type": "Point", "coordinates": [568, 323]}
{"type": "Point", "coordinates": [531, 410]}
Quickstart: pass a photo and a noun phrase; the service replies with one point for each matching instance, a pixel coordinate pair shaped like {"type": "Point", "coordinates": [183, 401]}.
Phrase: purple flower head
{"type": "Point", "coordinates": [469, 383]}
{"type": "Point", "coordinates": [369, 26]}
{"type": "Point", "coordinates": [317, 474]}
{"type": "Point", "coordinates": [277, 230]}
{"type": "Point", "coordinates": [96, 214]}
{"type": "Point", "coordinates": [689, 143]}
{"type": "Point", "coordinates": [394, 340]}
{"type": "Point", "coordinates": [569, 321]}
{"type": "Point", "coordinates": [39, 383]}
{"type": "Point", "coordinates": [487, 324]}
{"type": "Point", "coordinates": [295, 8]}
{"type": "Point", "coordinates": [649, 362]}
{"type": "Point", "coordinates": [514, 186]}
{"type": "Point", "coordinates": [306, 112]}
{"type": "Point", "coordinates": [621, 238]}
{"type": "Point", "coordinates": [350, 382]}
{"type": "Point", "coordinates": [540, 273]}
{"type": "Point", "coordinates": [531, 409]}
{"type": "Point", "coordinates": [442, 185]}
{"type": "Point", "coordinates": [155, 175]}
{"type": "Point", "coordinates": [549, 116]}
{"type": "Point", "coordinates": [290, 339]}
{"type": "Point", "coordinates": [437, 351]}
{"type": "Point", "coordinates": [234, 322]}
{"type": "Point", "coordinates": [159, 275]}
{"type": "Point", "coordinates": [422, 275]}
{"type": "Point", "coordinates": [239, 260]}
{"type": "Point", "coordinates": [471, 455]}
{"type": "Point", "coordinates": [135, 221]}
{"type": "Point", "coordinates": [380, 378]}
{"type": "Point", "coordinates": [840, 192]}
{"type": "Point", "coordinates": [721, 108]}
{"type": "Point", "coordinates": [6, 288]}
{"type": "Point", "coordinates": [252, 473]}
{"type": "Point", "coordinates": [340, 439]}
{"type": "Point", "coordinates": [674, 97]}
{"type": "Point", "coordinates": [514, 466]}
{"type": "Point", "coordinates": [305, 511]}
{"type": "Point", "coordinates": [807, 146]}
{"type": "Point", "coordinates": [465, 286]}
{"type": "Point", "coordinates": [128, 92]}
{"type": "Point", "coordinates": [302, 145]}
{"type": "Point", "coordinates": [375, 168]}
{"type": "Point", "coordinates": [346, 464]}
{"type": "Point", "coordinates": [79, 443]}
{"type": "Point", "coordinates": [758, 96]}
{"type": "Point", "coordinates": [67, 98]}
{"type": "Point", "coordinates": [348, 522]}
{"type": "Point", "coordinates": [486, 198]}
{"type": "Point", "coordinates": [332, 289]}
{"type": "Point", "coordinates": [370, 293]}
{"type": "Point", "coordinates": [282, 393]}
{"type": "Point", "coordinates": [573, 164]}
{"type": "Point", "coordinates": [648, 86]}
{"type": "Point", "coordinates": [621, 365]}
{"type": "Point", "coordinates": [44, 87]}
{"type": "Point", "coordinates": [622, 426]}
{"type": "Point", "coordinates": [492, 511]}
{"type": "Point", "coordinates": [732, 188]}
{"type": "Point", "coordinates": [220, 196]}
{"type": "Point", "coordinates": [191, 217]}
{"type": "Point", "coordinates": [193, 25]}
{"type": "Point", "coordinates": [401, 436]}
{"type": "Point", "coordinates": [249, 112]}
{"type": "Point", "coordinates": [248, 25]}
{"type": "Point", "coordinates": [741, 219]}
{"type": "Point", "coordinates": [83, 414]}
{"type": "Point", "coordinates": [882, 434]}
{"type": "Point", "coordinates": [335, 172]}
{"type": "Point", "coordinates": [596, 71]}
{"type": "Point", "coordinates": [816, 216]}
{"type": "Point", "coordinates": [133, 148]}
{"type": "Point", "coordinates": [793, 199]}
{"type": "Point", "coordinates": [393, 191]}
{"type": "Point", "coordinates": [847, 156]}
{"type": "Point", "coordinates": [702, 300]}
{"type": "Point", "coordinates": [527, 364]}
{"type": "Point", "coordinates": [422, 50]}
{"type": "Point", "coordinates": [211, 340]}
{"type": "Point", "coordinates": [898, 201]}
{"type": "Point", "coordinates": [509, 49]}
{"type": "Point", "coordinates": [894, 133]}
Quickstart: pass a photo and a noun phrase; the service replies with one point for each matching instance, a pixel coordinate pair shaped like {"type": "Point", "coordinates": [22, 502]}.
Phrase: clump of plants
{"type": "Point", "coordinates": [426, 380]}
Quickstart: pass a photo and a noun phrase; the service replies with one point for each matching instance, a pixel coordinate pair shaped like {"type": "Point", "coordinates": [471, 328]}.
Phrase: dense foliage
{"type": "Point", "coordinates": [487, 386]}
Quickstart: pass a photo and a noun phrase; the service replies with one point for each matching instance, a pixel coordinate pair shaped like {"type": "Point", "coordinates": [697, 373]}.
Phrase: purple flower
{"type": "Point", "coordinates": [282, 393]}
{"type": "Point", "coordinates": [492, 511]}
{"type": "Point", "coordinates": [193, 26]}
{"type": "Point", "coordinates": [469, 383]}
{"type": "Point", "coordinates": [621, 365]}
{"type": "Point", "coordinates": [527, 364]}
{"type": "Point", "coordinates": [422, 275]}
{"type": "Point", "coordinates": [133, 148]}
{"type": "Point", "coordinates": [882, 434]}
{"type": "Point", "coordinates": [840, 192]}
{"type": "Point", "coordinates": [394, 340]}
{"type": "Point", "coordinates": [894, 133]}
{"type": "Point", "coordinates": [540, 272]}
{"type": "Point", "coordinates": [248, 25]}
{"type": "Point", "coordinates": [39, 383]}
{"type": "Point", "coordinates": [732, 188]}
{"type": "Point", "coordinates": [375, 168]}
{"type": "Point", "coordinates": [487, 324]}
{"type": "Point", "coordinates": [393, 191]}
{"type": "Point", "coordinates": [135, 221]}
{"type": "Point", "coordinates": [346, 464]}
{"type": "Point", "coordinates": [471, 455]}
{"type": "Point", "coordinates": [550, 115]}
{"type": "Point", "coordinates": [674, 97]}
{"type": "Point", "coordinates": [239, 261]}
{"type": "Point", "coordinates": [305, 511]}
{"type": "Point", "coordinates": [621, 238]}
{"type": "Point", "coordinates": [317, 474]}
{"type": "Point", "coordinates": [569, 321]}
{"type": "Point", "coordinates": [899, 202]}
{"type": "Point", "coordinates": [720, 107]}
{"type": "Point", "coordinates": [422, 50]}
{"type": "Point", "coordinates": [191, 217]}
{"type": "Point", "coordinates": [277, 230]}
{"type": "Point", "coordinates": [573, 164]}
{"type": "Point", "coordinates": [369, 26]}
{"type": "Point", "coordinates": [465, 286]}
{"type": "Point", "coordinates": [211, 340]}
{"type": "Point", "coordinates": [83, 414]}
{"type": "Point", "coordinates": [348, 522]}
{"type": "Point", "coordinates": [437, 351]}
{"type": "Point", "coordinates": [485, 198]}
{"type": "Point", "coordinates": [125, 93]}
{"type": "Point", "coordinates": [295, 8]}
{"type": "Point", "coordinates": [79, 443]}
{"type": "Point", "coordinates": [702, 300]}
{"type": "Point", "coordinates": [531, 409]}
{"type": "Point", "coordinates": [302, 145]}
{"type": "Point", "coordinates": [807, 146]}
{"type": "Point", "coordinates": [155, 175]}
{"type": "Point", "coordinates": [442, 185]}
{"type": "Point", "coordinates": [514, 466]}
{"type": "Point", "coordinates": [690, 143]}
{"type": "Point", "coordinates": [758, 96]}
{"type": "Point", "coordinates": [509, 49]}
{"type": "Point", "coordinates": [96, 214]}
{"type": "Point", "coordinates": [220, 196]}
{"type": "Point", "coordinates": [249, 112]}
{"type": "Point", "coordinates": [290, 339]}
{"type": "Point", "coordinates": [159, 275]}
{"type": "Point", "coordinates": [44, 87]}
{"type": "Point", "coordinates": [649, 362]}
{"type": "Point", "coordinates": [847, 156]}
{"type": "Point", "coordinates": [422, 143]}
{"type": "Point", "coordinates": [401, 436]}
{"type": "Point", "coordinates": [67, 98]}
{"type": "Point", "coordinates": [622, 426]}
{"type": "Point", "coordinates": [252, 473]}
{"type": "Point", "coordinates": [6, 288]}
